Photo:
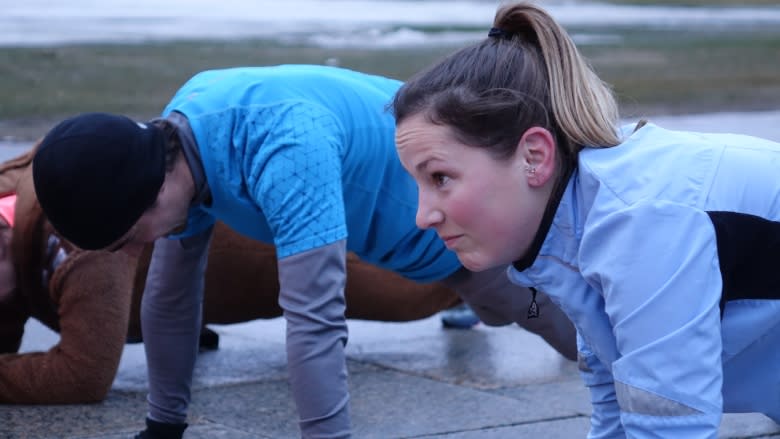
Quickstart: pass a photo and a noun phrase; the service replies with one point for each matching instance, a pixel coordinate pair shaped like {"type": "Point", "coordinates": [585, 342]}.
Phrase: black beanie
{"type": "Point", "coordinates": [95, 174]}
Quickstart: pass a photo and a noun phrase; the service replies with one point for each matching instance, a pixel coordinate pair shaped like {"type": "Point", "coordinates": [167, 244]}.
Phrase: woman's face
{"type": "Point", "coordinates": [162, 219]}
{"type": "Point", "coordinates": [486, 210]}
{"type": "Point", "coordinates": [167, 215]}
{"type": "Point", "coordinates": [7, 270]}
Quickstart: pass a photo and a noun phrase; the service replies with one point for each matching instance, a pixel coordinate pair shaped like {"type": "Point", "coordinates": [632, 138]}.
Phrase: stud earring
{"type": "Point", "coordinates": [530, 169]}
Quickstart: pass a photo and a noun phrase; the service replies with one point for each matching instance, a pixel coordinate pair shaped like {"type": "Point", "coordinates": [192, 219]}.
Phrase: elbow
{"type": "Point", "coordinates": [91, 389]}
{"type": "Point", "coordinates": [84, 387]}
{"type": "Point", "coordinates": [95, 394]}
{"type": "Point", "coordinates": [88, 392]}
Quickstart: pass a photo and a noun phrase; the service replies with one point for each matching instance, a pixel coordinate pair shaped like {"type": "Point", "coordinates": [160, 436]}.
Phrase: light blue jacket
{"type": "Point", "coordinates": [647, 239]}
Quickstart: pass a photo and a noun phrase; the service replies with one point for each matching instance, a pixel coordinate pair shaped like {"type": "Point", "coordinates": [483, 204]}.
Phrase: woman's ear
{"type": "Point", "coordinates": [537, 153]}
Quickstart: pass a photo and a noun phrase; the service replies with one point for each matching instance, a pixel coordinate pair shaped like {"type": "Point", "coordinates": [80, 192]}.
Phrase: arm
{"type": "Point", "coordinates": [295, 179]}
{"type": "Point", "coordinates": [312, 296]}
{"type": "Point", "coordinates": [94, 299]}
{"type": "Point", "coordinates": [657, 268]}
{"type": "Point", "coordinates": [171, 320]}
{"type": "Point", "coordinates": [605, 418]}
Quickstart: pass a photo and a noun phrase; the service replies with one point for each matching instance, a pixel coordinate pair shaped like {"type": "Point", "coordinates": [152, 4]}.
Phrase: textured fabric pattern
{"type": "Point", "coordinates": [304, 156]}
{"type": "Point", "coordinates": [293, 181]}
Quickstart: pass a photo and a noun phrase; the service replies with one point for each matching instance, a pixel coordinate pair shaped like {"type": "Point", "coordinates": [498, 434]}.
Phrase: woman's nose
{"type": "Point", "coordinates": [427, 215]}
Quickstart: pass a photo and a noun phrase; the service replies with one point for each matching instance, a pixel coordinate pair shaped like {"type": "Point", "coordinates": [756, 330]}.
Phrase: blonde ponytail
{"type": "Point", "coordinates": [527, 72]}
{"type": "Point", "coordinates": [583, 105]}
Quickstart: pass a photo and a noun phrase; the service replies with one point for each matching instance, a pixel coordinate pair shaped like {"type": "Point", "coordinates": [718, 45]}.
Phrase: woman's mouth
{"type": "Point", "coordinates": [450, 241]}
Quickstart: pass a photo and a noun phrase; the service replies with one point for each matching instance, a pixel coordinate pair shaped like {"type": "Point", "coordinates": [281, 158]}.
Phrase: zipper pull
{"type": "Point", "coordinates": [533, 310]}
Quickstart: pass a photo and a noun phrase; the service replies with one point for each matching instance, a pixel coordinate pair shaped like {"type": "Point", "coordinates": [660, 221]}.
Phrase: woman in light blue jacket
{"type": "Point", "coordinates": [662, 247]}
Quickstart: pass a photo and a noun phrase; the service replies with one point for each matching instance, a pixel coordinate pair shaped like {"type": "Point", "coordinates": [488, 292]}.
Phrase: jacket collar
{"type": "Point", "coordinates": [529, 257]}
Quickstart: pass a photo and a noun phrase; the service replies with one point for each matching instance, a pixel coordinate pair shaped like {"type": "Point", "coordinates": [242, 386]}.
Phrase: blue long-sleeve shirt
{"type": "Point", "coordinates": [304, 156]}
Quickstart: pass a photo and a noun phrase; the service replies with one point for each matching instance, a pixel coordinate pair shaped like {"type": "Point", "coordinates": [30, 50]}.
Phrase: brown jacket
{"type": "Point", "coordinates": [92, 299]}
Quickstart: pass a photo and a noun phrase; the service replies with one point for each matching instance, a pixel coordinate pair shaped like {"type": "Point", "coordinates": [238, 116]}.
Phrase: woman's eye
{"type": "Point", "coordinates": [439, 179]}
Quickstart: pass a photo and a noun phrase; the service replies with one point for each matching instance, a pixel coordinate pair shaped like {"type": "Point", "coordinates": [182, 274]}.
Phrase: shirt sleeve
{"type": "Point", "coordinates": [94, 290]}
{"type": "Point", "coordinates": [312, 297]}
{"type": "Point", "coordinates": [656, 266]}
{"type": "Point", "coordinates": [295, 178]}
{"type": "Point", "coordinates": [605, 418]}
{"type": "Point", "coordinates": [171, 321]}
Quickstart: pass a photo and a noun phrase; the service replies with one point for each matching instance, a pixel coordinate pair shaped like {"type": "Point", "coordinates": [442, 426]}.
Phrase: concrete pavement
{"type": "Point", "coordinates": [407, 380]}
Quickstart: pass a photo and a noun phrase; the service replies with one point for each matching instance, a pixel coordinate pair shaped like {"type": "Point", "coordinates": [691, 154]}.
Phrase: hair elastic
{"type": "Point", "coordinates": [496, 32]}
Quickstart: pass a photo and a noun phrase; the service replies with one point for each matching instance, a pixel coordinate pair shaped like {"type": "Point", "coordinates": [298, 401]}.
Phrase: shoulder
{"type": "Point", "coordinates": [647, 239]}
{"type": "Point", "coordinates": [92, 273]}
{"type": "Point", "coordinates": [652, 163]}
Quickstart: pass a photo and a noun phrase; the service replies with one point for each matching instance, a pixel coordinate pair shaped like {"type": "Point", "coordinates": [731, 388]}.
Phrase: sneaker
{"type": "Point", "coordinates": [459, 317]}
{"type": "Point", "coordinates": [209, 340]}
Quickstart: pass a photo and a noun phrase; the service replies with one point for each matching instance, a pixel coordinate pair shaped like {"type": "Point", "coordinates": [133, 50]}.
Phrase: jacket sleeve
{"type": "Point", "coordinates": [656, 266]}
{"type": "Point", "coordinates": [171, 321]}
{"type": "Point", "coordinates": [312, 297]}
{"type": "Point", "coordinates": [94, 291]}
{"type": "Point", "coordinates": [605, 418]}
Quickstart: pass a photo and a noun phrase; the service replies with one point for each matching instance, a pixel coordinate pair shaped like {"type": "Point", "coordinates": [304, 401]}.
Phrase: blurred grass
{"type": "Point", "coordinates": [141, 78]}
{"type": "Point", "coordinates": [41, 85]}
{"type": "Point", "coordinates": [652, 72]}
{"type": "Point", "coordinates": [678, 72]}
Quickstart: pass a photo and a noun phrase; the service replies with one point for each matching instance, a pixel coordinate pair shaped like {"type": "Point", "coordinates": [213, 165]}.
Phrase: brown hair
{"type": "Point", "coordinates": [527, 73]}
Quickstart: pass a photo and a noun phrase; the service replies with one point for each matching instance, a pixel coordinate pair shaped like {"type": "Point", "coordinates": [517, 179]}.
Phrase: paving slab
{"type": "Point", "coordinates": [477, 358]}
{"type": "Point", "coordinates": [566, 397]}
{"type": "Point", "coordinates": [568, 428]}
{"type": "Point", "coordinates": [201, 431]}
{"type": "Point", "coordinates": [118, 413]}
{"type": "Point", "coordinates": [384, 404]}
{"type": "Point", "coordinates": [399, 388]}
